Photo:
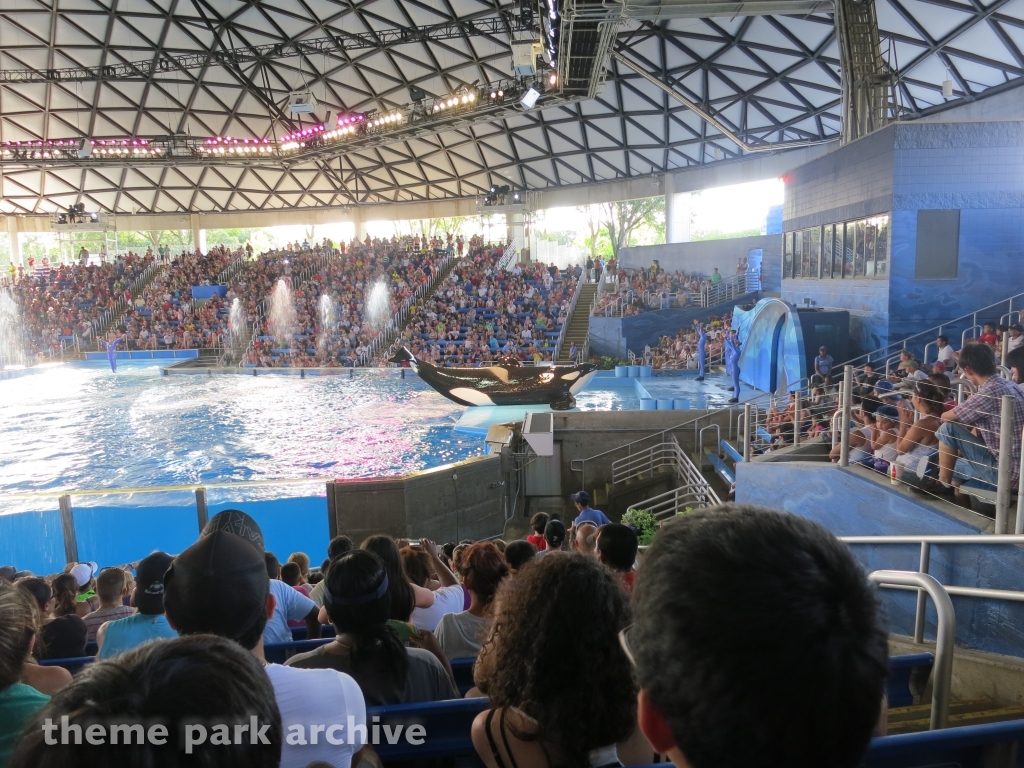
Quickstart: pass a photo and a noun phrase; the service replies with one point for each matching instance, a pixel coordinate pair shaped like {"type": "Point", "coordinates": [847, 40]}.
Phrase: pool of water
{"type": "Point", "coordinates": [82, 427]}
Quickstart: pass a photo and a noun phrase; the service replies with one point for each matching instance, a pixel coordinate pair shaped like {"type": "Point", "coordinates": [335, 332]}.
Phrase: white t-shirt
{"type": "Point", "coordinates": [313, 697]}
{"type": "Point", "coordinates": [291, 605]}
{"type": "Point", "coordinates": [945, 354]}
{"type": "Point", "coordinates": [446, 600]}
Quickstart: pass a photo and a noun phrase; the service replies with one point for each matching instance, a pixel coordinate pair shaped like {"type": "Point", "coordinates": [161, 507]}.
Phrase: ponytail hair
{"type": "Point", "coordinates": [65, 592]}
{"type": "Point", "coordinates": [357, 596]}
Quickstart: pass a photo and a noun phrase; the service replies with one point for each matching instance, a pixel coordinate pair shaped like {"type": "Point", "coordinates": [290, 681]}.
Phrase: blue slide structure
{"type": "Point", "coordinates": [773, 357]}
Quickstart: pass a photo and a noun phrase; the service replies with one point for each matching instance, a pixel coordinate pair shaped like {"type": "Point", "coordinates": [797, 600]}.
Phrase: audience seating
{"type": "Point", "coordinates": [447, 724]}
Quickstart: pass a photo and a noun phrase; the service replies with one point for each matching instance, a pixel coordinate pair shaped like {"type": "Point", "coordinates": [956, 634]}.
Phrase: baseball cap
{"type": "Point", "coordinates": [7, 572]}
{"type": "Point", "coordinates": [219, 585]}
{"type": "Point", "coordinates": [239, 523]}
{"type": "Point", "coordinates": [890, 412]}
{"type": "Point", "coordinates": [83, 572]}
{"type": "Point", "coordinates": [1017, 327]}
{"type": "Point", "coordinates": [149, 583]}
{"type": "Point", "coordinates": [582, 497]}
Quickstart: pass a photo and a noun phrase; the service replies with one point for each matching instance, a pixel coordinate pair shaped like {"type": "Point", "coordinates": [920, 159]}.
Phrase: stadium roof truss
{"type": "Point", "coordinates": [187, 70]}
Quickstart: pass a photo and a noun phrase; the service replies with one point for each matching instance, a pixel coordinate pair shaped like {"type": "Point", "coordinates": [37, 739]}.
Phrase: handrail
{"type": "Point", "coordinates": [584, 279]}
{"type": "Point", "coordinates": [510, 252]}
{"type": "Point", "coordinates": [945, 632]}
{"type": "Point", "coordinates": [670, 503]}
{"type": "Point", "coordinates": [934, 330]}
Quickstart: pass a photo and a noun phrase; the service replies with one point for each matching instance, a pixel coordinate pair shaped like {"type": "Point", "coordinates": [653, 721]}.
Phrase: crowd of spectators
{"type": "Point", "coordinates": [68, 301]}
{"type": "Point", "coordinates": [481, 312]}
{"type": "Point", "coordinates": [323, 340]}
{"type": "Point", "coordinates": [652, 288]}
{"type": "Point", "coordinates": [166, 316]}
{"type": "Point", "coordinates": [661, 651]}
{"type": "Point", "coordinates": [679, 352]}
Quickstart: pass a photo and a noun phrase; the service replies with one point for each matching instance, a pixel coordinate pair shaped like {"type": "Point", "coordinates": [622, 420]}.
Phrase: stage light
{"type": "Point", "coordinates": [517, 197]}
{"type": "Point", "coordinates": [94, 217]}
{"type": "Point", "coordinates": [552, 79]}
{"type": "Point", "coordinates": [529, 100]}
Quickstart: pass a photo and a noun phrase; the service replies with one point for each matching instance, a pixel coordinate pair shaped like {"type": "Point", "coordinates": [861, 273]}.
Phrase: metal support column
{"type": "Point", "coordinates": [67, 524]}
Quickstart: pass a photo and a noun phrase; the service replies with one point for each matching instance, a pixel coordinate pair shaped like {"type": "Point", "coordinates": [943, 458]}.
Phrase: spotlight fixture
{"type": "Point", "coordinates": [947, 87]}
{"type": "Point", "coordinates": [517, 197]}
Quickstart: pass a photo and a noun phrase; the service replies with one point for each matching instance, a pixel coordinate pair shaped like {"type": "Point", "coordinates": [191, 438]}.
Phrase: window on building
{"type": "Point", "coordinates": [848, 251]}
{"type": "Point", "coordinates": [938, 245]}
{"type": "Point", "coordinates": [827, 238]}
{"type": "Point", "coordinates": [881, 246]}
{"type": "Point", "coordinates": [815, 251]}
{"type": "Point", "coordinates": [798, 254]}
{"type": "Point", "coordinates": [837, 252]}
{"type": "Point", "coordinates": [787, 254]}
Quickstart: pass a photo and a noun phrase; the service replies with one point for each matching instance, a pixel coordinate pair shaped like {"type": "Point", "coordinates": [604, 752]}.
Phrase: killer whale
{"type": "Point", "coordinates": [504, 383]}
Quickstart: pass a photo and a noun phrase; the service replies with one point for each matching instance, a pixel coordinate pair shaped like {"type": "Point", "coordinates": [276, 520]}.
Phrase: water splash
{"type": "Point", "coordinates": [12, 332]}
{"type": "Point", "coordinates": [283, 320]}
{"type": "Point", "coordinates": [328, 319]}
{"type": "Point", "coordinates": [238, 327]}
{"type": "Point", "coordinates": [378, 305]}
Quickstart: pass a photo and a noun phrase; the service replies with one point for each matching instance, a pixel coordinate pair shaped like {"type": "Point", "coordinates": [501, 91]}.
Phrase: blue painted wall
{"type": "Point", "coordinates": [851, 505]}
{"type": "Point", "coordinates": [114, 535]}
{"type": "Point", "coordinates": [32, 541]}
{"type": "Point", "coordinates": [977, 168]}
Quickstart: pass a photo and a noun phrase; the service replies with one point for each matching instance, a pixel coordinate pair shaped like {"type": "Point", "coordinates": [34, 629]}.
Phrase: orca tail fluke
{"type": "Point", "coordinates": [403, 355]}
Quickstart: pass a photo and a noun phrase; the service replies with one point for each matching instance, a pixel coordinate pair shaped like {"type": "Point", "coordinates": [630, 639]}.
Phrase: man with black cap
{"type": "Point", "coordinates": [587, 514]}
{"type": "Point", "coordinates": [149, 623]}
{"type": "Point", "coordinates": [220, 586]}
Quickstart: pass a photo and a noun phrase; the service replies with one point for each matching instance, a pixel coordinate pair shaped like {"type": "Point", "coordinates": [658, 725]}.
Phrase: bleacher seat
{"type": "Point", "coordinates": [901, 670]}
{"type": "Point", "coordinates": [447, 725]}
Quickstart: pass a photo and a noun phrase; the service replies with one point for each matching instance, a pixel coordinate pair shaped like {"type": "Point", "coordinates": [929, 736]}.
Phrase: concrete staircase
{"type": "Point", "coordinates": [579, 322]}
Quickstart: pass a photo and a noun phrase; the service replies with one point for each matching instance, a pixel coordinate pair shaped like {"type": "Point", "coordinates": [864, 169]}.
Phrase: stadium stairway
{"type": "Point", "coordinates": [118, 319]}
{"type": "Point", "coordinates": [579, 322]}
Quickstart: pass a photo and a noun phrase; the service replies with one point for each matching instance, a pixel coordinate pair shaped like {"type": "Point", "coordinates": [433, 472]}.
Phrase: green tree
{"type": "Point", "coordinates": [620, 219]}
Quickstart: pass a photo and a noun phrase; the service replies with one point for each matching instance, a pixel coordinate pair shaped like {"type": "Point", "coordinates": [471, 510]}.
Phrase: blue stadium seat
{"type": "Point", "coordinates": [901, 668]}
{"type": "Point", "coordinates": [463, 671]}
{"type": "Point", "coordinates": [447, 724]}
{"type": "Point", "coordinates": [72, 665]}
{"type": "Point", "coordinates": [278, 653]}
{"type": "Point", "coordinates": [972, 746]}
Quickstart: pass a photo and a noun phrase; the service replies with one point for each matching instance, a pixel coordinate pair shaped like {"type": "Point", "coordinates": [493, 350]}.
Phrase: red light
{"type": "Point", "coordinates": [786, 179]}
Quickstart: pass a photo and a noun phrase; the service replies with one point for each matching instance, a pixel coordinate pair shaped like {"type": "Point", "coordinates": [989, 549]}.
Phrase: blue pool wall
{"type": "Point", "coordinates": [146, 354]}
{"type": "Point", "coordinates": [977, 168]}
{"type": "Point", "coordinates": [115, 535]}
{"type": "Point", "coordinates": [851, 505]}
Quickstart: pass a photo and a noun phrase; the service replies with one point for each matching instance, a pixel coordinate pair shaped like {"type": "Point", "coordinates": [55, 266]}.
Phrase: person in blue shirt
{"type": "Point", "coordinates": [116, 637]}
{"type": "Point", "coordinates": [588, 514]}
{"type": "Point", "coordinates": [732, 363]}
{"type": "Point", "coordinates": [823, 365]}
{"type": "Point", "coordinates": [702, 342]}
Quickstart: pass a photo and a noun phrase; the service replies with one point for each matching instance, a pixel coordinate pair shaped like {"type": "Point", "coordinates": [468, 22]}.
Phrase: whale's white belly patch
{"type": "Point", "coordinates": [472, 396]}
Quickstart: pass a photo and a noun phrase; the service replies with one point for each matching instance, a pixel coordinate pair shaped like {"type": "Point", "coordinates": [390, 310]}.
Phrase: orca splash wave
{"type": "Point", "coordinates": [506, 383]}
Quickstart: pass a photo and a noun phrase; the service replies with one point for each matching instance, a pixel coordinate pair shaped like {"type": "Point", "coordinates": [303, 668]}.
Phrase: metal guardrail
{"type": "Point", "coordinates": [937, 330]}
{"type": "Point", "coordinates": [398, 321]}
{"type": "Point", "coordinates": [694, 490]}
{"type": "Point", "coordinates": [511, 252]}
{"type": "Point", "coordinates": [583, 279]}
{"type": "Point", "coordinates": [942, 672]}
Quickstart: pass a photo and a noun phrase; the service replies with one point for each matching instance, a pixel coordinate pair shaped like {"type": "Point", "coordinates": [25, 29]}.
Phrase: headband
{"type": "Point", "coordinates": [369, 597]}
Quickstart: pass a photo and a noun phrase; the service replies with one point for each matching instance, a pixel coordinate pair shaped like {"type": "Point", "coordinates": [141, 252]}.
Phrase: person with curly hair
{"type": "Point", "coordinates": [483, 568]}
{"type": "Point", "coordinates": [543, 714]}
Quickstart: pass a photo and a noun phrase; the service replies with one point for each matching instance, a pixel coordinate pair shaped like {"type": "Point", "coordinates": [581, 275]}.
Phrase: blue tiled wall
{"type": "Point", "coordinates": [850, 505]}
{"type": "Point", "coordinates": [977, 168]}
